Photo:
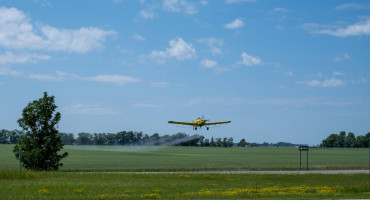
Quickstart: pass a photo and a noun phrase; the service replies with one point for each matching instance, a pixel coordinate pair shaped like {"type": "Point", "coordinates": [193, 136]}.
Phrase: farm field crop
{"type": "Point", "coordinates": [74, 185]}
{"type": "Point", "coordinates": [154, 158]}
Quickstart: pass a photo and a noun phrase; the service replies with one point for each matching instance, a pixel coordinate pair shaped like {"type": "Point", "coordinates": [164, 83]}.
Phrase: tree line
{"type": "Point", "coordinates": [343, 140]}
{"type": "Point", "coordinates": [129, 138]}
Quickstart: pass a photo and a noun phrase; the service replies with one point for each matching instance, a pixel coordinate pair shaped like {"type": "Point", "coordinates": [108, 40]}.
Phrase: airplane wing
{"type": "Point", "coordinates": [214, 123]}
{"type": "Point", "coordinates": [183, 123]}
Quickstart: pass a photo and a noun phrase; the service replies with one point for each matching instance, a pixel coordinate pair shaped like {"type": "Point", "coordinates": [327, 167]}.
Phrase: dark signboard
{"type": "Point", "coordinates": [303, 148]}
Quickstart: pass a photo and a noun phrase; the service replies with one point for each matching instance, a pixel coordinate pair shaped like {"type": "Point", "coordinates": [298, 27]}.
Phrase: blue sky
{"type": "Point", "coordinates": [288, 70]}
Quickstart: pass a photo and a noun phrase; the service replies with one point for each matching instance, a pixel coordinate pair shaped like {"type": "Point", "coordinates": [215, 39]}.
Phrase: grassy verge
{"type": "Point", "coordinates": [154, 158]}
{"type": "Point", "coordinates": [65, 185]}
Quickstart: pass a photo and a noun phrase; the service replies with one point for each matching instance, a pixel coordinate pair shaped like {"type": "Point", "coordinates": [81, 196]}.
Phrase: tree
{"type": "Point", "coordinates": [67, 138]}
{"type": "Point", "coordinates": [242, 143]}
{"type": "Point", "coordinates": [42, 141]}
{"type": "Point", "coordinates": [4, 136]}
{"type": "Point", "coordinates": [331, 141]}
{"type": "Point", "coordinates": [341, 139]}
{"type": "Point", "coordinates": [350, 140]}
{"type": "Point", "coordinates": [84, 139]}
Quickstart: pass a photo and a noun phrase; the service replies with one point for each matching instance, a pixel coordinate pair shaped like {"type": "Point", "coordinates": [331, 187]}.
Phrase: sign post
{"type": "Point", "coordinates": [302, 148]}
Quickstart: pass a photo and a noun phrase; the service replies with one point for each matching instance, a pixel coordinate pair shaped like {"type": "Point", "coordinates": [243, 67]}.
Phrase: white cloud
{"type": "Point", "coordinates": [333, 82]}
{"type": "Point", "coordinates": [237, 23]}
{"type": "Point", "coordinates": [211, 64]}
{"type": "Point", "coordinates": [178, 49]}
{"type": "Point", "coordinates": [115, 79]}
{"type": "Point", "coordinates": [146, 14]}
{"type": "Point", "coordinates": [16, 32]}
{"type": "Point", "coordinates": [289, 73]}
{"type": "Point", "coordinates": [159, 84]}
{"type": "Point", "coordinates": [137, 37]}
{"type": "Point", "coordinates": [179, 6]}
{"type": "Point", "coordinates": [342, 57]}
{"type": "Point", "coordinates": [250, 60]}
{"type": "Point", "coordinates": [208, 63]}
{"type": "Point", "coordinates": [280, 9]}
{"type": "Point", "coordinates": [203, 2]}
{"type": "Point", "coordinates": [352, 6]}
{"type": "Point", "coordinates": [338, 73]}
{"type": "Point", "coordinates": [9, 72]}
{"type": "Point", "coordinates": [89, 110]}
{"type": "Point", "coordinates": [146, 105]}
{"type": "Point", "coordinates": [61, 76]}
{"type": "Point", "coordinates": [357, 29]}
{"type": "Point", "coordinates": [11, 58]}
{"type": "Point", "coordinates": [238, 1]}
{"type": "Point", "coordinates": [214, 44]}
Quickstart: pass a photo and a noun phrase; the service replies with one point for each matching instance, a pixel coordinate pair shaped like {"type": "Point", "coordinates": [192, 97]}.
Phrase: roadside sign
{"type": "Point", "coordinates": [303, 148]}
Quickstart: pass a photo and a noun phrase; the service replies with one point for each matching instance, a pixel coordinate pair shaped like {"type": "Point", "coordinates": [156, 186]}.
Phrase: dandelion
{"type": "Point", "coordinates": [77, 190]}
{"type": "Point", "coordinates": [102, 195]}
{"type": "Point", "coordinates": [124, 195]}
{"type": "Point", "coordinates": [185, 176]}
{"type": "Point", "coordinates": [156, 191]}
{"type": "Point", "coordinates": [230, 179]}
{"type": "Point", "coordinates": [205, 192]}
{"type": "Point", "coordinates": [258, 191]}
{"type": "Point", "coordinates": [150, 196]}
{"type": "Point", "coordinates": [43, 191]}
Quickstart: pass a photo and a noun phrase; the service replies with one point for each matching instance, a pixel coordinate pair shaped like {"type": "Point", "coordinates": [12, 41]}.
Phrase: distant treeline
{"type": "Point", "coordinates": [130, 138]}
{"type": "Point", "coordinates": [343, 140]}
{"type": "Point", "coordinates": [279, 144]}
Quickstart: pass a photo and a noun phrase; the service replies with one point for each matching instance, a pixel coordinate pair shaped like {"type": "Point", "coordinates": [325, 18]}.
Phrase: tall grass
{"type": "Point", "coordinates": [70, 185]}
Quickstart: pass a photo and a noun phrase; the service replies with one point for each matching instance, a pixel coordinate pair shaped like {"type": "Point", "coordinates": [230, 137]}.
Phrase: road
{"type": "Point", "coordinates": [246, 172]}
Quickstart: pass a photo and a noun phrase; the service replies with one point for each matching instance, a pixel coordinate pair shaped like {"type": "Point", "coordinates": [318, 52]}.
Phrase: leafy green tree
{"type": "Point", "coordinates": [14, 136]}
{"type": "Point", "coordinates": [84, 139]}
{"type": "Point", "coordinates": [242, 143]}
{"type": "Point", "coordinates": [350, 140]}
{"type": "Point", "coordinates": [331, 141]}
{"type": "Point", "coordinates": [4, 136]}
{"type": "Point", "coordinates": [341, 139]}
{"type": "Point", "coordinates": [67, 138]}
{"type": "Point", "coordinates": [42, 141]}
{"type": "Point", "coordinates": [230, 142]}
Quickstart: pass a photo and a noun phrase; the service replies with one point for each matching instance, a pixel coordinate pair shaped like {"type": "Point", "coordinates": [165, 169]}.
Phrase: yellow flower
{"type": "Point", "coordinates": [156, 191]}
{"type": "Point", "coordinates": [150, 196]}
{"type": "Point", "coordinates": [43, 191]}
{"type": "Point", "coordinates": [77, 190]}
{"type": "Point", "coordinates": [205, 192]}
{"type": "Point", "coordinates": [185, 176]}
{"type": "Point", "coordinates": [102, 195]}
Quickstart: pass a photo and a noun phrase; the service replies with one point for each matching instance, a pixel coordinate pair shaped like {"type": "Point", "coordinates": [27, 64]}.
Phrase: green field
{"type": "Point", "coordinates": [72, 185]}
{"type": "Point", "coordinates": [74, 181]}
{"type": "Point", "coordinates": [152, 158]}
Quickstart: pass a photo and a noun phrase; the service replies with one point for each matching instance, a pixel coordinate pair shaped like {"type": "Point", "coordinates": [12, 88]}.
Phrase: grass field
{"type": "Point", "coordinates": [118, 158]}
{"type": "Point", "coordinates": [70, 183]}
{"type": "Point", "coordinates": [73, 185]}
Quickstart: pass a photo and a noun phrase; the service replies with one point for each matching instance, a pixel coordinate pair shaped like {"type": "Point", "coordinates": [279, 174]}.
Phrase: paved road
{"type": "Point", "coordinates": [247, 172]}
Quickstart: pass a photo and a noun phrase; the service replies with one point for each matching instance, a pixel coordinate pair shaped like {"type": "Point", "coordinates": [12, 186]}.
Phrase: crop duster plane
{"type": "Point", "coordinates": [199, 122]}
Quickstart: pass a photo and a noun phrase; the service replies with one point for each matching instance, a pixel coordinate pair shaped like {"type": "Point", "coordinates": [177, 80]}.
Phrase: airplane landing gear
{"type": "Point", "coordinates": [207, 128]}
{"type": "Point", "coordinates": [195, 128]}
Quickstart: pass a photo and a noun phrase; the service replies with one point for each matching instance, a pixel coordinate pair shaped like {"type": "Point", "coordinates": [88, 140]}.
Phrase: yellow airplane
{"type": "Point", "coordinates": [199, 123]}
